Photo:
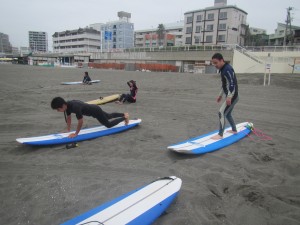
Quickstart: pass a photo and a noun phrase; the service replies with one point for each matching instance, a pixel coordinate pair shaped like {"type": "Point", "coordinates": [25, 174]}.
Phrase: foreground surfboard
{"type": "Point", "coordinates": [204, 143]}
{"type": "Point", "coordinates": [84, 134]}
{"type": "Point", "coordinates": [104, 100]}
{"type": "Point", "coordinates": [78, 82]}
{"type": "Point", "coordinates": [139, 207]}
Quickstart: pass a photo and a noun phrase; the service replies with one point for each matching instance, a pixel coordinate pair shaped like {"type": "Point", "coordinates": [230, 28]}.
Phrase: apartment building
{"type": "Point", "coordinates": [118, 34]}
{"type": "Point", "coordinates": [282, 34]}
{"type": "Point", "coordinates": [149, 38]}
{"type": "Point", "coordinates": [220, 24]}
{"type": "Point", "coordinates": [78, 40]}
{"type": "Point", "coordinates": [38, 41]}
{"type": "Point", "coordinates": [5, 45]}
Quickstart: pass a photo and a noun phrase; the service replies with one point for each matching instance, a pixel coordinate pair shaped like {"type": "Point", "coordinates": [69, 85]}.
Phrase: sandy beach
{"type": "Point", "coordinates": [250, 182]}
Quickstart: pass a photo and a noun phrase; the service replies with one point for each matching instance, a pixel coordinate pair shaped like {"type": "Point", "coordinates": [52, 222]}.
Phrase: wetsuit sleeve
{"type": "Point", "coordinates": [68, 112]}
{"type": "Point", "coordinates": [229, 75]}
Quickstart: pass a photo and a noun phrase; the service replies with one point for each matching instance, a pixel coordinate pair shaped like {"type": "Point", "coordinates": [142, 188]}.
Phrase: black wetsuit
{"type": "Point", "coordinates": [129, 97]}
{"type": "Point", "coordinates": [230, 89]}
{"type": "Point", "coordinates": [86, 79]}
{"type": "Point", "coordinates": [83, 109]}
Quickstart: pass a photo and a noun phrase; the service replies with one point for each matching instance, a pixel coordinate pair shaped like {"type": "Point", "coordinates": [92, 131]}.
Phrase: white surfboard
{"type": "Point", "coordinates": [138, 207]}
{"type": "Point", "coordinates": [205, 143]}
{"type": "Point", "coordinates": [84, 134]}
{"type": "Point", "coordinates": [78, 82]}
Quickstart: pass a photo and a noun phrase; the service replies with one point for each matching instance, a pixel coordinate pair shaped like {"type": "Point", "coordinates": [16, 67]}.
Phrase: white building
{"type": "Point", "coordinates": [118, 34]}
{"type": "Point", "coordinates": [255, 31]}
{"type": "Point", "coordinates": [175, 29]}
{"type": "Point", "coordinates": [278, 37]}
{"type": "Point", "coordinates": [75, 41]}
{"type": "Point", "coordinates": [220, 24]}
{"type": "Point", "coordinates": [38, 41]}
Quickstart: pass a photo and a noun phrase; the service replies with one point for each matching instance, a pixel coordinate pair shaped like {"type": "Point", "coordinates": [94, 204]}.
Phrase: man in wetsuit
{"type": "Point", "coordinates": [230, 90]}
{"type": "Point", "coordinates": [83, 109]}
{"type": "Point", "coordinates": [86, 78]}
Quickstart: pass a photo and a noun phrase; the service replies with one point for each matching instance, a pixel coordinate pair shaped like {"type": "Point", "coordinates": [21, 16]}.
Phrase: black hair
{"type": "Point", "coordinates": [133, 83]}
{"type": "Point", "coordinates": [86, 73]}
{"type": "Point", "coordinates": [217, 56]}
{"type": "Point", "coordinates": [57, 102]}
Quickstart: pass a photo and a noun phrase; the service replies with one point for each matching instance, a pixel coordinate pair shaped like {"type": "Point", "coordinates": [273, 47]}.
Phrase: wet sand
{"type": "Point", "coordinates": [250, 182]}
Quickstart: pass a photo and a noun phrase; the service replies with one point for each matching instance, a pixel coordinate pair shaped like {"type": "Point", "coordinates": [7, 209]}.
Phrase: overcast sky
{"type": "Point", "coordinates": [17, 17]}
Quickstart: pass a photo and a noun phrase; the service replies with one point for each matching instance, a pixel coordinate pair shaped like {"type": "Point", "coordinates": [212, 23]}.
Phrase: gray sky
{"type": "Point", "coordinates": [17, 17]}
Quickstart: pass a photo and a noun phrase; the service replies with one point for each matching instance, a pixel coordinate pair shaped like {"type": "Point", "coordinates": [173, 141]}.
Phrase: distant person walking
{"type": "Point", "coordinates": [230, 90]}
{"type": "Point", "coordinates": [86, 78]}
{"type": "Point", "coordinates": [131, 97]}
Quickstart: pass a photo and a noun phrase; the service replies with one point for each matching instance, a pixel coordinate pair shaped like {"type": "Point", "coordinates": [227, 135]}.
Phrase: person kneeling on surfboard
{"type": "Point", "coordinates": [86, 78]}
{"type": "Point", "coordinates": [83, 109]}
{"type": "Point", "coordinates": [230, 89]}
{"type": "Point", "coordinates": [131, 98]}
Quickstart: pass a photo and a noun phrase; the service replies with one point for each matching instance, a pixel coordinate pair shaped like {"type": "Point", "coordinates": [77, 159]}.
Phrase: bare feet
{"type": "Point", "coordinates": [126, 115]}
{"type": "Point", "coordinates": [232, 132]}
{"type": "Point", "coordinates": [216, 137]}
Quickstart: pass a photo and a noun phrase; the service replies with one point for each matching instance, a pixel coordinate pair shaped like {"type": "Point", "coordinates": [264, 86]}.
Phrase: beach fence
{"type": "Point", "coordinates": [154, 67]}
{"type": "Point", "coordinates": [114, 66]}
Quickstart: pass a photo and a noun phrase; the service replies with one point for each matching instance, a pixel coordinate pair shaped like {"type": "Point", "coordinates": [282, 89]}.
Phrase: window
{"type": "Point", "coordinates": [209, 39]}
{"type": "Point", "coordinates": [188, 40]}
{"type": "Point", "coordinates": [223, 15]}
{"type": "Point", "coordinates": [221, 38]}
{"type": "Point", "coordinates": [198, 29]}
{"type": "Point", "coordinates": [210, 27]}
{"type": "Point", "coordinates": [197, 39]}
{"type": "Point", "coordinates": [222, 26]}
{"type": "Point", "coordinates": [199, 18]}
{"type": "Point", "coordinates": [189, 19]}
{"type": "Point", "coordinates": [189, 30]}
{"type": "Point", "coordinates": [210, 16]}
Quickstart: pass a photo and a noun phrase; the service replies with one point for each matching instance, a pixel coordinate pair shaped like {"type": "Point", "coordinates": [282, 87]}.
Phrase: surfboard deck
{"type": "Point", "coordinates": [203, 144]}
{"type": "Point", "coordinates": [104, 100]}
{"type": "Point", "coordinates": [84, 134]}
{"type": "Point", "coordinates": [141, 206]}
{"type": "Point", "coordinates": [78, 82]}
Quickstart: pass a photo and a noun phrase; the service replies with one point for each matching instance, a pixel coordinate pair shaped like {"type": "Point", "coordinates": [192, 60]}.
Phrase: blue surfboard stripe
{"type": "Point", "coordinates": [82, 137]}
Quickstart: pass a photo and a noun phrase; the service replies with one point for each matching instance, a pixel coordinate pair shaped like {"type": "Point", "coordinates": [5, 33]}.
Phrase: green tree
{"type": "Point", "coordinates": [160, 33]}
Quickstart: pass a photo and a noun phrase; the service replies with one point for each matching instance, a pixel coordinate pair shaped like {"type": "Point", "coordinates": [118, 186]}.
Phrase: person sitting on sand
{"type": "Point", "coordinates": [230, 89]}
{"type": "Point", "coordinates": [86, 78]}
{"type": "Point", "coordinates": [131, 98]}
{"type": "Point", "coordinates": [83, 109]}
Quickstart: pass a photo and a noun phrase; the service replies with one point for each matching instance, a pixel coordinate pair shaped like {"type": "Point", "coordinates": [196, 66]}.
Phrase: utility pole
{"type": "Point", "coordinates": [288, 25]}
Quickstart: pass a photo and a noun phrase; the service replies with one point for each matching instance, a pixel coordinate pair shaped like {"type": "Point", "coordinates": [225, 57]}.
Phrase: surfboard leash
{"type": "Point", "coordinates": [258, 133]}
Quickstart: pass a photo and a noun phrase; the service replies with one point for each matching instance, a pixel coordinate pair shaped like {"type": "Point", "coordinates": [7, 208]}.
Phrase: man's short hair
{"type": "Point", "coordinates": [57, 102]}
{"type": "Point", "coordinates": [217, 56]}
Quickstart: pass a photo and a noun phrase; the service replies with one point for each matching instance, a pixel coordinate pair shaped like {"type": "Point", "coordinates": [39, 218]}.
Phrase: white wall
{"type": "Point", "coordinates": [280, 62]}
